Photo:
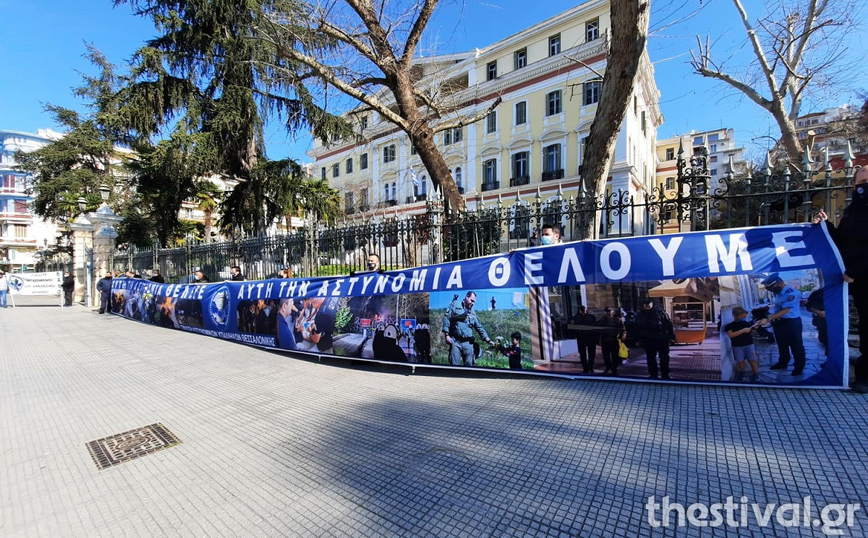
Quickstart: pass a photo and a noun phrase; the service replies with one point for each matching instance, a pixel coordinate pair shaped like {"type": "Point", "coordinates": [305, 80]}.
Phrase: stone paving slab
{"type": "Point", "coordinates": [278, 446]}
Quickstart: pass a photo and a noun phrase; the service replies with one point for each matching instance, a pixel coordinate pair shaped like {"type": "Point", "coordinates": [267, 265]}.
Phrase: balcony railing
{"type": "Point", "coordinates": [553, 175]}
{"type": "Point", "coordinates": [519, 181]}
{"type": "Point", "coordinates": [490, 186]}
{"type": "Point", "coordinates": [387, 203]}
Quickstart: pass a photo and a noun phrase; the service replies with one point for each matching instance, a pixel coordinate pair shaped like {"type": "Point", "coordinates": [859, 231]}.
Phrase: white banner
{"type": "Point", "coordinates": [35, 283]}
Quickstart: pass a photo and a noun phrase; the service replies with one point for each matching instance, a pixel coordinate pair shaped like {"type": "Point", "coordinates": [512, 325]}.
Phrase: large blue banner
{"type": "Point", "coordinates": [763, 305]}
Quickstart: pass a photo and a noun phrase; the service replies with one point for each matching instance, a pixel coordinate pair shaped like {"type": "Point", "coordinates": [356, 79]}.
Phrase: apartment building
{"type": "Point", "coordinates": [22, 234]}
{"type": "Point", "coordinates": [548, 77]}
{"type": "Point", "coordinates": [832, 128]}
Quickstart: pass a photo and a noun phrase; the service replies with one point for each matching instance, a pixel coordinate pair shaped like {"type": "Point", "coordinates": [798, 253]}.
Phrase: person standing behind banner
{"type": "Point", "coordinates": [104, 287]}
{"type": "Point", "coordinates": [157, 277]}
{"type": "Point", "coordinates": [851, 238]}
{"type": "Point", "coordinates": [235, 271]}
{"type": "Point", "coordinates": [68, 286]}
{"type": "Point", "coordinates": [4, 288]}
{"type": "Point", "coordinates": [654, 329]}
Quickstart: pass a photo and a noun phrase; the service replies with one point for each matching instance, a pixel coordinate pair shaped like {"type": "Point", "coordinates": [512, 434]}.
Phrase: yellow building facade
{"type": "Point", "coordinates": [549, 79]}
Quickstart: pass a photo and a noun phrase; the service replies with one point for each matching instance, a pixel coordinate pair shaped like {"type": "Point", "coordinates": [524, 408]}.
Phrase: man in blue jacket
{"type": "Point", "coordinates": [104, 287]}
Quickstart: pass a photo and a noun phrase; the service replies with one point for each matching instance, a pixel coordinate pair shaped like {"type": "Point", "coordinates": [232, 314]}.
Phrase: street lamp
{"type": "Point", "coordinates": [82, 203]}
{"type": "Point", "coordinates": [104, 192]}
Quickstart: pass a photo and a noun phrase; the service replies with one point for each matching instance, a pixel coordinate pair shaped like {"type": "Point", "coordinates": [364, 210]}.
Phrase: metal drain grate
{"type": "Point", "coordinates": [130, 445]}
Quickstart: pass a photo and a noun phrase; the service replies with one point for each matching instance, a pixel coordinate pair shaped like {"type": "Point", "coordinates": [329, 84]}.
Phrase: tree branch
{"type": "Point", "coordinates": [585, 65]}
{"type": "Point", "coordinates": [467, 120]}
{"type": "Point", "coordinates": [758, 49]}
{"type": "Point", "coordinates": [416, 32]}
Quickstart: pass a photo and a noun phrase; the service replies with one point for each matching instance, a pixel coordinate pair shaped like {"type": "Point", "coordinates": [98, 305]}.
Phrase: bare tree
{"type": "Point", "coordinates": [626, 49]}
{"type": "Point", "coordinates": [795, 49]}
{"type": "Point", "coordinates": [367, 51]}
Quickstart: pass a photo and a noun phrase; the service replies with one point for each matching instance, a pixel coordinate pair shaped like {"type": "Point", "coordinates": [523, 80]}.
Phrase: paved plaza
{"type": "Point", "coordinates": [275, 446]}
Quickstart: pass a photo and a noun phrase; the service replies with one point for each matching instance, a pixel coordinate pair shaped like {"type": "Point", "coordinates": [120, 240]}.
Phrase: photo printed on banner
{"type": "Point", "coordinates": [760, 328]}
{"type": "Point", "coordinates": [463, 321]}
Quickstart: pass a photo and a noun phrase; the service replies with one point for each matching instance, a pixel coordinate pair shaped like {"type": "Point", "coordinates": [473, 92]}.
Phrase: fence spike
{"type": "Point", "coordinates": [768, 163]}
{"type": "Point", "coordinates": [848, 157]}
{"type": "Point", "coordinates": [826, 162]}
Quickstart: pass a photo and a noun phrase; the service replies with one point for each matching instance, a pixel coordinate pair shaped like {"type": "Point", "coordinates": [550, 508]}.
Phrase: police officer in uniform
{"type": "Point", "coordinates": [458, 325]}
{"type": "Point", "coordinates": [787, 323]}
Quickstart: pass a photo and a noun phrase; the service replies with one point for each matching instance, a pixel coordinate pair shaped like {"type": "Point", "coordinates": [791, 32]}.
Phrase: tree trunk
{"type": "Point", "coordinates": [629, 35]}
{"type": "Point", "coordinates": [422, 137]}
{"type": "Point", "coordinates": [789, 138]}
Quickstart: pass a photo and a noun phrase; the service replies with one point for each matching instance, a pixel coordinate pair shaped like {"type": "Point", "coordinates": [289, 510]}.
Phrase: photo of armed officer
{"type": "Point", "coordinates": [480, 336]}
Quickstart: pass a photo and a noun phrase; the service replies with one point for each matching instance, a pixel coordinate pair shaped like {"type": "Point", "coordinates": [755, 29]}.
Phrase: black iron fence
{"type": "Point", "coordinates": [697, 201]}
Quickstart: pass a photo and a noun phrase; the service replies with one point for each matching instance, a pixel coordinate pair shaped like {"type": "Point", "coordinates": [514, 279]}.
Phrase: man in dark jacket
{"type": "Point", "coordinates": [235, 271]}
{"type": "Point", "coordinates": [104, 287]}
{"type": "Point", "coordinates": [68, 286]}
{"type": "Point", "coordinates": [851, 237]}
{"type": "Point", "coordinates": [611, 333]}
{"type": "Point", "coordinates": [654, 329]}
{"type": "Point", "coordinates": [157, 277]}
{"type": "Point", "coordinates": [587, 337]}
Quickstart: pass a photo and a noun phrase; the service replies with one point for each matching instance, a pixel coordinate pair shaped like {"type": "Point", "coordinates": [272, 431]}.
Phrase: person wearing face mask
{"type": "Point", "coordinates": [551, 235]}
{"type": "Point", "coordinates": [373, 262]}
{"type": "Point", "coordinates": [458, 325]}
{"type": "Point", "coordinates": [851, 238]}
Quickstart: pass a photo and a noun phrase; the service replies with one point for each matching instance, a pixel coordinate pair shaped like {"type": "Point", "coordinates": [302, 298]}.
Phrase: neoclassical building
{"type": "Point", "coordinates": [549, 79]}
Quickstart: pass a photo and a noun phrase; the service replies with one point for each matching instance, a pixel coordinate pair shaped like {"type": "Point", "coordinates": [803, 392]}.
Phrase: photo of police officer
{"type": "Point", "coordinates": [459, 324]}
{"type": "Point", "coordinates": [786, 321]}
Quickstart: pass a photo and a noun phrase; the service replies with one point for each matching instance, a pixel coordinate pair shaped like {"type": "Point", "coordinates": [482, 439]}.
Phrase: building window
{"type": "Point", "coordinates": [363, 161]}
{"type": "Point", "coordinates": [389, 153]}
{"type": "Point", "coordinates": [335, 137]}
{"type": "Point", "coordinates": [348, 202]}
{"type": "Point", "coordinates": [554, 45]}
{"type": "Point", "coordinates": [20, 231]}
{"type": "Point", "coordinates": [520, 168]}
{"type": "Point", "coordinates": [553, 103]}
{"type": "Point", "coordinates": [712, 159]}
{"type": "Point", "coordinates": [336, 170]}
{"type": "Point", "coordinates": [644, 125]}
{"type": "Point", "coordinates": [363, 200]}
{"type": "Point", "coordinates": [394, 191]}
{"type": "Point", "coordinates": [670, 154]}
{"type": "Point", "coordinates": [592, 30]}
{"type": "Point", "coordinates": [491, 70]}
{"type": "Point", "coordinates": [520, 58]}
{"type": "Point", "coordinates": [491, 122]}
{"type": "Point", "coordinates": [713, 172]}
{"type": "Point", "coordinates": [697, 141]}
{"type": "Point", "coordinates": [323, 172]}
{"type": "Point", "coordinates": [591, 92]}
{"type": "Point", "coordinates": [712, 148]}
{"type": "Point", "coordinates": [521, 113]}
{"type": "Point", "coordinates": [364, 122]}
{"type": "Point", "coordinates": [453, 136]}
{"type": "Point", "coordinates": [457, 177]}
{"type": "Point", "coordinates": [20, 207]}
{"type": "Point", "coordinates": [412, 150]}
{"type": "Point", "coordinates": [670, 183]}
{"type": "Point", "coordinates": [349, 165]}
{"type": "Point", "coordinates": [713, 137]}
{"type": "Point", "coordinates": [552, 158]}
{"type": "Point", "coordinates": [489, 175]}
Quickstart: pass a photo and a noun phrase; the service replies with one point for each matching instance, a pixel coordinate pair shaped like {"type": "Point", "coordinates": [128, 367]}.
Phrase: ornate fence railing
{"type": "Point", "coordinates": [696, 202]}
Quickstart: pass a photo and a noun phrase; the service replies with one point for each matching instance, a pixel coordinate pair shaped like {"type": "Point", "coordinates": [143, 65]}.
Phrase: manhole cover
{"type": "Point", "coordinates": [130, 445]}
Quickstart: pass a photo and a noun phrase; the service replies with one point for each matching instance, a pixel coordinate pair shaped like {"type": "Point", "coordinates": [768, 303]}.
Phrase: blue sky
{"type": "Point", "coordinates": [44, 43]}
